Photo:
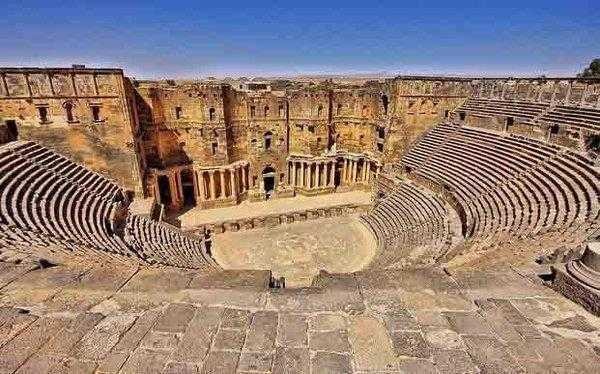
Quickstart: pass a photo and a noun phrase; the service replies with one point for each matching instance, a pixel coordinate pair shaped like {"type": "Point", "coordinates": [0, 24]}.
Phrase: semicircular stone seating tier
{"type": "Point", "coordinates": [49, 202]}
{"type": "Point", "coordinates": [511, 187]}
{"type": "Point", "coordinates": [411, 227]}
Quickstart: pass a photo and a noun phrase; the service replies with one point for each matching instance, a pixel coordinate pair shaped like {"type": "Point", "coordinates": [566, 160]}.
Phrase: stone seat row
{"type": "Point", "coordinates": [405, 219]}
{"type": "Point", "coordinates": [519, 109]}
{"type": "Point", "coordinates": [46, 207]}
{"type": "Point", "coordinates": [509, 185]}
{"type": "Point", "coordinates": [579, 118]}
{"type": "Point", "coordinates": [56, 163]}
{"type": "Point", "coordinates": [574, 117]}
{"type": "Point", "coordinates": [158, 243]}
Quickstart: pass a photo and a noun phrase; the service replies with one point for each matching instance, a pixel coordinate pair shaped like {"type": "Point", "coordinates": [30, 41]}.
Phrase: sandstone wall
{"type": "Point", "coordinates": [418, 105]}
{"type": "Point", "coordinates": [86, 114]}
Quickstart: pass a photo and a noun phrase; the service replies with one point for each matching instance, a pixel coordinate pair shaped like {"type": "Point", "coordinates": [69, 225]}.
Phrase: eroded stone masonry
{"type": "Point", "coordinates": [456, 225]}
{"type": "Point", "coordinates": [213, 145]}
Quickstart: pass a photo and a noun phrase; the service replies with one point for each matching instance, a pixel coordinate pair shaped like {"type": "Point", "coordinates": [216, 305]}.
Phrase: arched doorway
{"type": "Point", "coordinates": [164, 190]}
{"type": "Point", "coordinates": [187, 185]}
{"type": "Point", "coordinates": [268, 175]}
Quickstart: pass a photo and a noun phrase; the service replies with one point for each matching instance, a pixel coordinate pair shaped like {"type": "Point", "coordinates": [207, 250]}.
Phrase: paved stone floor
{"type": "Point", "coordinates": [128, 320]}
{"type": "Point", "coordinates": [246, 209]}
{"type": "Point", "coordinates": [298, 251]}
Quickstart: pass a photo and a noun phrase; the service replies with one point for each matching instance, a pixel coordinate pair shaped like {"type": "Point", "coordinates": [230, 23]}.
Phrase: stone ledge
{"type": "Point", "coordinates": [273, 220]}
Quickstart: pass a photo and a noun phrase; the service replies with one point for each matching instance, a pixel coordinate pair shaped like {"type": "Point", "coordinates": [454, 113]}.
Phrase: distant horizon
{"type": "Point", "coordinates": [184, 39]}
{"type": "Point", "coordinates": [314, 75]}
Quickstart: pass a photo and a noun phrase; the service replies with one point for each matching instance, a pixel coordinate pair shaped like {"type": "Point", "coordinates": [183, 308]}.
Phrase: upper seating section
{"type": "Point", "coordinates": [510, 186]}
{"type": "Point", "coordinates": [528, 111]}
{"type": "Point", "coordinates": [50, 204]}
{"type": "Point", "coordinates": [572, 118]}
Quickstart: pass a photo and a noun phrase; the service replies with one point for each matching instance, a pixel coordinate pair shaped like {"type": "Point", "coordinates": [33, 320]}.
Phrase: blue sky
{"type": "Point", "coordinates": [184, 39]}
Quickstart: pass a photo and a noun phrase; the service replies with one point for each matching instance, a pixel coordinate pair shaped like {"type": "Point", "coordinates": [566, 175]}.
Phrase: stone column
{"type": "Point", "coordinates": [232, 183]}
{"type": "Point", "coordinates": [244, 178]}
{"type": "Point", "coordinates": [302, 176]}
{"type": "Point", "coordinates": [201, 185]}
{"type": "Point", "coordinates": [318, 174]}
{"type": "Point", "coordinates": [307, 176]}
{"type": "Point", "coordinates": [156, 189]}
{"type": "Point", "coordinates": [344, 171]}
{"type": "Point", "coordinates": [325, 173]}
{"type": "Point", "coordinates": [211, 182]}
{"type": "Point", "coordinates": [354, 171]}
{"type": "Point", "coordinates": [368, 172]}
{"type": "Point", "coordinates": [293, 176]}
{"type": "Point", "coordinates": [222, 177]}
{"type": "Point", "coordinates": [195, 181]}
{"type": "Point", "coordinates": [179, 184]}
{"type": "Point", "coordinates": [331, 173]}
{"type": "Point", "coordinates": [174, 189]}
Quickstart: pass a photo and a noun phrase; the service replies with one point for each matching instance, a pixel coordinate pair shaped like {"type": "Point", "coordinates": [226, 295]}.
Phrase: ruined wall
{"type": "Point", "coordinates": [521, 106]}
{"type": "Point", "coordinates": [558, 91]}
{"type": "Point", "coordinates": [83, 113]}
{"type": "Point", "coordinates": [360, 119]}
{"type": "Point", "coordinates": [183, 124]}
{"type": "Point", "coordinates": [258, 132]}
{"type": "Point", "coordinates": [418, 105]}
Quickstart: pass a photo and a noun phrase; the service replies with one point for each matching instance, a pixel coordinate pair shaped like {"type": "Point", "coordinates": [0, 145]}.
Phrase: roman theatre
{"type": "Point", "coordinates": [418, 224]}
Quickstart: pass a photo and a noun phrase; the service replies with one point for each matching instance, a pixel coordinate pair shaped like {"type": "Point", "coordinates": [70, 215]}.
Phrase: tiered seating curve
{"type": "Point", "coordinates": [51, 205]}
{"type": "Point", "coordinates": [411, 226]}
{"type": "Point", "coordinates": [511, 187]}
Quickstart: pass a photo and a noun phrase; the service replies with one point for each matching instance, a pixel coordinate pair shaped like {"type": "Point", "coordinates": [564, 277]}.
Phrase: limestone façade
{"type": "Point", "coordinates": [213, 144]}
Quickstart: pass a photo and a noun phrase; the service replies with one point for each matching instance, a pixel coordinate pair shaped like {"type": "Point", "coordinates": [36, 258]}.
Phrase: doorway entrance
{"type": "Point", "coordinates": [11, 126]}
{"type": "Point", "coordinates": [268, 175]}
{"type": "Point", "coordinates": [187, 185]}
{"type": "Point", "coordinates": [164, 190]}
{"type": "Point", "coordinates": [337, 176]}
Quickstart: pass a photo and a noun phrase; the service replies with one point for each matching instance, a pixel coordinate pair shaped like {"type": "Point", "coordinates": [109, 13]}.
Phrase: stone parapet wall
{"type": "Point", "coordinates": [279, 219]}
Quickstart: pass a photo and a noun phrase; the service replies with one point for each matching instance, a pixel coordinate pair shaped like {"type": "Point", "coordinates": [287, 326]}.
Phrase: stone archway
{"type": "Point", "coordinates": [268, 176]}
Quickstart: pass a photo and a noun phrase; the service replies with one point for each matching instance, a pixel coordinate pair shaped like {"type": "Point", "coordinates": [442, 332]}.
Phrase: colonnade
{"type": "Point", "coordinates": [225, 182]}
{"type": "Point", "coordinates": [311, 174]}
{"type": "Point", "coordinates": [222, 182]}
{"type": "Point", "coordinates": [351, 173]}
